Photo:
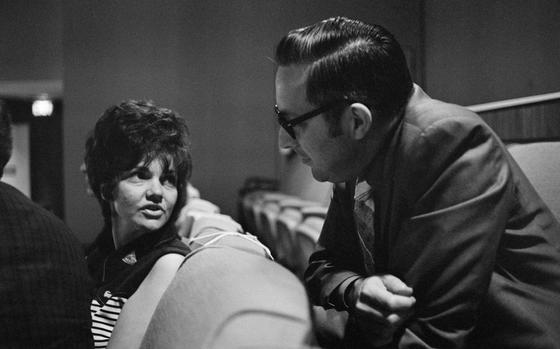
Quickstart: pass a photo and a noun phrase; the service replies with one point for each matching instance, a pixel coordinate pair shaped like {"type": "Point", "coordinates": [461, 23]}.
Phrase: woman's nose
{"type": "Point", "coordinates": [155, 191]}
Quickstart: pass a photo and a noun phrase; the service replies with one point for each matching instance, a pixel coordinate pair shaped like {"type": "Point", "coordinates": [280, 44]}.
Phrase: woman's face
{"type": "Point", "coordinates": [143, 201]}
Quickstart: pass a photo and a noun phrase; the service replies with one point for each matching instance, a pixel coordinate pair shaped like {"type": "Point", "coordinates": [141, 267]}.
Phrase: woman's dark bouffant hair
{"type": "Point", "coordinates": [131, 132]}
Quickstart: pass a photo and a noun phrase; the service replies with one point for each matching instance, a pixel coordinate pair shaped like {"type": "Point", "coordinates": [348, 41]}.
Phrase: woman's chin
{"type": "Point", "coordinates": [151, 225]}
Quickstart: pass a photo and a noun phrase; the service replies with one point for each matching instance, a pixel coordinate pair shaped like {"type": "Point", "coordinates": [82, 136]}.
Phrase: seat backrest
{"type": "Point", "coordinates": [540, 161]}
{"type": "Point", "coordinates": [267, 199]}
{"type": "Point", "coordinates": [306, 237]}
{"type": "Point", "coordinates": [286, 223]}
{"type": "Point", "coordinates": [223, 297]}
{"type": "Point", "coordinates": [246, 209]}
{"type": "Point", "coordinates": [269, 210]}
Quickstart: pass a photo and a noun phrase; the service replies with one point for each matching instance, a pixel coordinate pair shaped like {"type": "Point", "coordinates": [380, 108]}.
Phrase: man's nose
{"type": "Point", "coordinates": [285, 141]}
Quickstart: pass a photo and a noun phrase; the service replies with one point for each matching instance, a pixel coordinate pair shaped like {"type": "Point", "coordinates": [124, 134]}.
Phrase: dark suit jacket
{"type": "Point", "coordinates": [457, 220]}
{"type": "Point", "coordinates": [44, 287]}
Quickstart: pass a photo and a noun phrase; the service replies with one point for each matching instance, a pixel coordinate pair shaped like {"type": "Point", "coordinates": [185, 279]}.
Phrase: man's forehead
{"type": "Point", "coordinates": [292, 75]}
{"type": "Point", "coordinates": [291, 88]}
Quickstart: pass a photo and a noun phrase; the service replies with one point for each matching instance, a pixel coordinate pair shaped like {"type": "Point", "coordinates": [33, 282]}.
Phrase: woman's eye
{"type": "Point", "coordinates": [144, 175]}
{"type": "Point", "coordinates": [140, 175]}
{"type": "Point", "coordinates": [169, 180]}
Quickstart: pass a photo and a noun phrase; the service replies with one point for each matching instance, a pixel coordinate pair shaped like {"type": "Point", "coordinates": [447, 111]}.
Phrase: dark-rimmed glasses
{"type": "Point", "coordinates": [288, 125]}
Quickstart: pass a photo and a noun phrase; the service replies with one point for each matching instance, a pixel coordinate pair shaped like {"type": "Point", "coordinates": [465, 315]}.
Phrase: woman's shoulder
{"type": "Point", "coordinates": [172, 245]}
{"type": "Point", "coordinates": [165, 250]}
{"type": "Point", "coordinates": [169, 262]}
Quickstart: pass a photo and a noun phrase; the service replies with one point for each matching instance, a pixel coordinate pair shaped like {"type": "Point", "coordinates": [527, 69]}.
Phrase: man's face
{"type": "Point", "coordinates": [327, 156]}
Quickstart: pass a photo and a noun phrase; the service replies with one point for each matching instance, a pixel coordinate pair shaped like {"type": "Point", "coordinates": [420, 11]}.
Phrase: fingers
{"type": "Point", "coordinates": [376, 295]}
{"type": "Point", "coordinates": [367, 314]}
{"type": "Point", "coordinates": [395, 285]}
{"type": "Point", "coordinates": [383, 304]}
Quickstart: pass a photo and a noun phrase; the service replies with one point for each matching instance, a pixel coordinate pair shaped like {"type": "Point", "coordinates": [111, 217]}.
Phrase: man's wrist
{"type": "Point", "coordinates": [337, 298]}
{"type": "Point", "coordinates": [351, 294]}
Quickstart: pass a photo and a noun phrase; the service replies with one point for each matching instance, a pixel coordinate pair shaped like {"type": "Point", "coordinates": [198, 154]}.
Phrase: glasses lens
{"type": "Point", "coordinates": [286, 126]}
{"type": "Point", "coordinates": [290, 131]}
{"type": "Point", "coordinates": [284, 123]}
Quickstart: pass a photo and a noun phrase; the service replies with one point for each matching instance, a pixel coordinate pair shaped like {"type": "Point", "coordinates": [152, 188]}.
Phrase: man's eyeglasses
{"type": "Point", "coordinates": [288, 125]}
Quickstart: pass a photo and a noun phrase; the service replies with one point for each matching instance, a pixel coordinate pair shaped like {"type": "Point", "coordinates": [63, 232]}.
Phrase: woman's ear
{"type": "Point", "coordinates": [361, 120]}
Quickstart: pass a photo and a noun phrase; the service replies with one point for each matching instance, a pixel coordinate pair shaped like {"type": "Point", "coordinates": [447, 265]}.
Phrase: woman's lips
{"type": "Point", "coordinates": [152, 211]}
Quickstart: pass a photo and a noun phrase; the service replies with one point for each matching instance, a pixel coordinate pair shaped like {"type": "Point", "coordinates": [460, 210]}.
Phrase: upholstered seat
{"type": "Point", "coordinates": [286, 223]}
{"type": "Point", "coordinates": [540, 161]}
{"type": "Point", "coordinates": [223, 297]}
{"type": "Point", "coordinates": [306, 237]}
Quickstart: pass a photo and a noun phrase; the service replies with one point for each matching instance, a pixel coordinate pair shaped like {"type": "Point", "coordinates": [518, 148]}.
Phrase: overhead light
{"type": "Point", "coordinates": [42, 107]}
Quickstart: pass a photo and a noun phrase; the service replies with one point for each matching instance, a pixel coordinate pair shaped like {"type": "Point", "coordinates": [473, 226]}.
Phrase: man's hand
{"type": "Point", "coordinates": [381, 304]}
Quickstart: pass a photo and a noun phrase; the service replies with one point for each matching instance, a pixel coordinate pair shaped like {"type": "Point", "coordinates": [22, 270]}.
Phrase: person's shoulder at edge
{"type": "Point", "coordinates": [422, 111]}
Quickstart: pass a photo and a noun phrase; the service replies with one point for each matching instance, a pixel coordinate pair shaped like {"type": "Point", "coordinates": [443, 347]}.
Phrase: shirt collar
{"type": "Point", "coordinates": [362, 190]}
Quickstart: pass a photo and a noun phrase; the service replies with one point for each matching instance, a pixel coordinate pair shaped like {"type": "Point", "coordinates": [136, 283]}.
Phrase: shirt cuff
{"type": "Point", "coordinates": [337, 299]}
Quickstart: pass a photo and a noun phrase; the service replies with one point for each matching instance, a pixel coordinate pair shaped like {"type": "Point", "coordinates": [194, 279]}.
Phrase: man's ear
{"type": "Point", "coordinates": [361, 120]}
{"type": "Point", "coordinates": [106, 192]}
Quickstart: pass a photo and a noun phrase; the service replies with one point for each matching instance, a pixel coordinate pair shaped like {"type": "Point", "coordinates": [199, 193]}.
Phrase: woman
{"type": "Point", "coordinates": [138, 163]}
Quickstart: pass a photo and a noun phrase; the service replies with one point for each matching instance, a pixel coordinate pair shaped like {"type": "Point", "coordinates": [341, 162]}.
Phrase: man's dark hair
{"type": "Point", "coordinates": [5, 137]}
{"type": "Point", "coordinates": [349, 59]}
{"type": "Point", "coordinates": [129, 133]}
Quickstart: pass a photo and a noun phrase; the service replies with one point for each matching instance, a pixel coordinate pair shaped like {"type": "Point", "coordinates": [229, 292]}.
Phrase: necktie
{"type": "Point", "coordinates": [363, 215]}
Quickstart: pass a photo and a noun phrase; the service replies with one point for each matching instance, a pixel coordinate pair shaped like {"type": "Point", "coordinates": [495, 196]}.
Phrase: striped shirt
{"type": "Point", "coordinates": [103, 319]}
{"type": "Point", "coordinates": [118, 274]}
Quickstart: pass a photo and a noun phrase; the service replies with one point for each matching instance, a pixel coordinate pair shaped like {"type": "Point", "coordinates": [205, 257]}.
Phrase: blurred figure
{"type": "Point", "coordinates": [138, 163]}
{"type": "Point", "coordinates": [436, 239]}
{"type": "Point", "coordinates": [43, 277]}
{"type": "Point", "coordinates": [83, 170]}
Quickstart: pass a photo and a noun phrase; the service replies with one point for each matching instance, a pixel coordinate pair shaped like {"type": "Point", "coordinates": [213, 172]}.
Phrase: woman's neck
{"type": "Point", "coordinates": [122, 235]}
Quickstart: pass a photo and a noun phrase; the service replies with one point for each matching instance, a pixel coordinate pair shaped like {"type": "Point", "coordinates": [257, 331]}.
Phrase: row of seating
{"type": "Point", "coordinates": [287, 224]}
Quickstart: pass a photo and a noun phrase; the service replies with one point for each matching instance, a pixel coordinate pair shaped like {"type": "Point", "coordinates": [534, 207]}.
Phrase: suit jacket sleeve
{"type": "Point", "coordinates": [461, 187]}
{"type": "Point", "coordinates": [336, 262]}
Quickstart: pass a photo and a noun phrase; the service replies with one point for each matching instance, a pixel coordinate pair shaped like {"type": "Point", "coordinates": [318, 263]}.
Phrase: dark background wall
{"type": "Point", "coordinates": [481, 51]}
{"type": "Point", "coordinates": [30, 40]}
{"type": "Point", "coordinates": [210, 60]}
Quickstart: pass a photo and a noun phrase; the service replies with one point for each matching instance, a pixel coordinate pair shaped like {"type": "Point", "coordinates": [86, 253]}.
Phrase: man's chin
{"type": "Point", "coordinates": [331, 177]}
{"type": "Point", "coordinates": [319, 175]}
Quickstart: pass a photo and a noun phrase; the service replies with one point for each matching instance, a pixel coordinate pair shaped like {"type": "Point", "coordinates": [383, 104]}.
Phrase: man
{"type": "Point", "coordinates": [43, 276]}
{"type": "Point", "coordinates": [434, 237]}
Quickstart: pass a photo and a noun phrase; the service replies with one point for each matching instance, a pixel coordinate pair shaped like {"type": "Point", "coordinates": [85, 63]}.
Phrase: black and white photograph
{"type": "Point", "coordinates": [280, 174]}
